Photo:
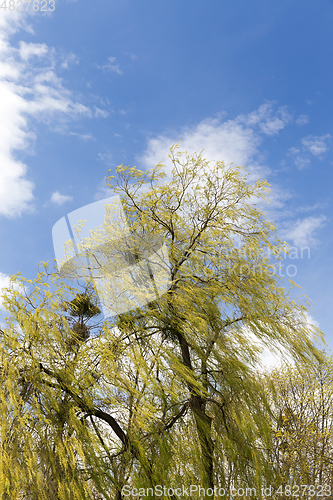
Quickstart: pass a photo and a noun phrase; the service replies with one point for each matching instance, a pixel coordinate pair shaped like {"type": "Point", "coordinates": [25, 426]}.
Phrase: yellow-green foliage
{"type": "Point", "coordinates": [167, 393]}
{"type": "Point", "coordinates": [302, 404]}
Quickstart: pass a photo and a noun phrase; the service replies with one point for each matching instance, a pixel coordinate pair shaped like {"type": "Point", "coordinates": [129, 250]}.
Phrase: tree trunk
{"type": "Point", "coordinates": [202, 420]}
{"type": "Point", "coordinates": [204, 429]}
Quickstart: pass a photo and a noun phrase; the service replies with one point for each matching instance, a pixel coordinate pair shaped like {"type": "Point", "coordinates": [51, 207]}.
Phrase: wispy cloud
{"type": "Point", "coordinates": [131, 56]}
{"type": "Point", "coordinates": [302, 120]}
{"type": "Point", "coordinates": [235, 140]}
{"type": "Point", "coordinates": [83, 137]}
{"type": "Point", "coordinates": [310, 146]}
{"type": "Point", "coordinates": [302, 232]}
{"type": "Point", "coordinates": [316, 145]}
{"type": "Point", "coordinates": [270, 122]}
{"type": "Point", "coordinates": [60, 199]}
{"type": "Point", "coordinates": [107, 158]}
{"type": "Point", "coordinates": [311, 208]}
{"type": "Point", "coordinates": [69, 59]}
{"type": "Point", "coordinates": [30, 88]}
{"type": "Point", "coordinates": [111, 65]}
{"type": "Point", "coordinates": [30, 50]}
{"type": "Point", "coordinates": [101, 113]}
{"type": "Point", "coordinates": [302, 162]}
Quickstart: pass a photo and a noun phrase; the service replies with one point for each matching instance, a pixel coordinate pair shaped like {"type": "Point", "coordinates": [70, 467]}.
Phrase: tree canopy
{"type": "Point", "coordinates": [166, 393]}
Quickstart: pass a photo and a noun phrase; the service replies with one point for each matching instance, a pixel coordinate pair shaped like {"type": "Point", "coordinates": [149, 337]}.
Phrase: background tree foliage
{"type": "Point", "coordinates": [167, 393]}
{"type": "Point", "coordinates": [302, 403]}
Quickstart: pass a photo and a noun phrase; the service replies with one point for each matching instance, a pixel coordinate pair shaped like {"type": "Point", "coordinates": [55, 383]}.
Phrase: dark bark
{"type": "Point", "coordinates": [91, 410]}
{"type": "Point", "coordinates": [204, 430]}
{"type": "Point", "coordinates": [202, 420]}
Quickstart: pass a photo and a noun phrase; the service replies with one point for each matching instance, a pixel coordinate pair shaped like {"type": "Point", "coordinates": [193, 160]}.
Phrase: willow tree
{"type": "Point", "coordinates": [185, 362]}
{"type": "Point", "coordinates": [224, 293]}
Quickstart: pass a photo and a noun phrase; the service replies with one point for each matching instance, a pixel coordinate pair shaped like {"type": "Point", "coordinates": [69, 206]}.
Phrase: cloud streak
{"type": "Point", "coordinates": [310, 145]}
{"type": "Point", "coordinates": [111, 66]}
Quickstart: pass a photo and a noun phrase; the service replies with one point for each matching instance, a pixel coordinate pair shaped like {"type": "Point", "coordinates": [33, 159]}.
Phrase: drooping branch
{"type": "Point", "coordinates": [90, 410]}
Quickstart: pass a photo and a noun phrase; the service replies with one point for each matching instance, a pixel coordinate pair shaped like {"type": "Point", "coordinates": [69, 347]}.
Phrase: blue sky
{"type": "Point", "coordinates": [95, 84]}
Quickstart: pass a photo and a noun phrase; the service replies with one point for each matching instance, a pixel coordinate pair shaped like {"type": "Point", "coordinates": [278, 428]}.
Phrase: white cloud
{"type": "Point", "coordinates": [316, 145]}
{"type": "Point", "coordinates": [111, 66]}
{"type": "Point", "coordinates": [301, 232]}
{"type": "Point", "coordinates": [60, 199]}
{"type": "Point", "coordinates": [229, 141]}
{"type": "Point", "coordinates": [29, 89]}
{"type": "Point", "coordinates": [236, 140]}
{"type": "Point", "coordinates": [271, 358]}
